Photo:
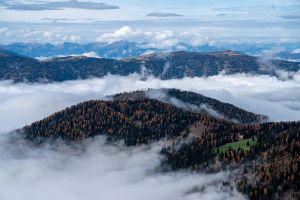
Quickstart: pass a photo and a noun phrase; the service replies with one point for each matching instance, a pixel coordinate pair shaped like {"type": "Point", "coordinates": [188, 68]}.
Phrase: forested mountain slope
{"type": "Point", "coordinates": [164, 66]}
{"type": "Point", "coordinates": [140, 112]}
{"type": "Point", "coordinates": [266, 156]}
{"type": "Point", "coordinates": [195, 102]}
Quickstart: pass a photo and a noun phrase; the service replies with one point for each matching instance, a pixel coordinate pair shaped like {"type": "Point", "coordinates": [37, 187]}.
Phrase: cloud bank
{"type": "Point", "coordinates": [152, 33]}
{"type": "Point", "coordinates": [154, 39]}
{"type": "Point", "coordinates": [22, 104]}
{"type": "Point", "coordinates": [38, 36]}
{"type": "Point", "coordinates": [94, 170]}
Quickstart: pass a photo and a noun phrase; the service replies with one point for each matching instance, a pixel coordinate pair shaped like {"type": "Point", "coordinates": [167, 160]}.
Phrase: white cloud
{"type": "Point", "coordinates": [94, 170]}
{"type": "Point", "coordinates": [159, 39]}
{"type": "Point", "coordinates": [164, 39]}
{"type": "Point", "coordinates": [21, 104]}
{"type": "Point", "coordinates": [296, 51]}
{"type": "Point", "coordinates": [4, 32]}
{"type": "Point", "coordinates": [3, 29]}
{"type": "Point", "coordinates": [48, 34]}
{"type": "Point", "coordinates": [91, 54]}
{"type": "Point", "coordinates": [71, 38]}
{"type": "Point", "coordinates": [124, 33]}
{"type": "Point", "coordinates": [194, 38]}
{"type": "Point", "coordinates": [37, 36]}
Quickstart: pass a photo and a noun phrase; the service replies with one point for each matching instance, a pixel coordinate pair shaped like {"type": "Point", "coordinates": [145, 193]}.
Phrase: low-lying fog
{"type": "Point", "coordinates": [95, 170]}
{"type": "Point", "coordinates": [21, 104]}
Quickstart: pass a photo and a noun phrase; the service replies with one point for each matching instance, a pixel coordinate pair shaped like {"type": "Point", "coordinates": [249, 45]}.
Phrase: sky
{"type": "Point", "coordinates": [87, 20]}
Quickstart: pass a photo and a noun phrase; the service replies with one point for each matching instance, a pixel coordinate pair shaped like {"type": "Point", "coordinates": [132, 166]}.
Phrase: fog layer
{"type": "Point", "coordinates": [94, 170]}
{"type": "Point", "coordinates": [22, 104]}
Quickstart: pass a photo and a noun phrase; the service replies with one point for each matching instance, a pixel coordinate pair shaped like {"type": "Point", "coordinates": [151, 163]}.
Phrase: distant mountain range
{"type": "Point", "coordinates": [126, 49]}
{"type": "Point", "coordinates": [121, 49]}
{"type": "Point", "coordinates": [265, 154]}
{"type": "Point", "coordinates": [161, 65]}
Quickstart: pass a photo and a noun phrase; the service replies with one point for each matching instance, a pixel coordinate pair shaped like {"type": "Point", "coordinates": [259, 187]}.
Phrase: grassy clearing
{"type": "Point", "coordinates": [235, 145]}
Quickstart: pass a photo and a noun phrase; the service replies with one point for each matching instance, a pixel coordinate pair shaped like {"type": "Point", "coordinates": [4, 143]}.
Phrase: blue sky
{"type": "Point", "coordinates": [214, 20]}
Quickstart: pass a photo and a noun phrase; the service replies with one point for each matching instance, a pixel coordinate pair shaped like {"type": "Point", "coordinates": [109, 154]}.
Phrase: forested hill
{"type": "Point", "coordinates": [267, 154]}
{"type": "Point", "coordinates": [164, 66]}
{"type": "Point", "coordinates": [137, 121]}
{"type": "Point", "coordinates": [139, 111]}
{"type": "Point", "coordinates": [195, 102]}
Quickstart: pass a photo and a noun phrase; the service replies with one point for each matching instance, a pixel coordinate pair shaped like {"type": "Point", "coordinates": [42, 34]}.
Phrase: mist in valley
{"type": "Point", "coordinates": [93, 169]}
{"type": "Point", "coordinates": [22, 103]}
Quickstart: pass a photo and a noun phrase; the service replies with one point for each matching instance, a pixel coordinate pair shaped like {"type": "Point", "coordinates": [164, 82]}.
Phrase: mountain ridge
{"type": "Point", "coordinates": [124, 49]}
{"type": "Point", "coordinates": [195, 102]}
{"type": "Point", "coordinates": [173, 65]}
{"type": "Point", "coordinates": [119, 104]}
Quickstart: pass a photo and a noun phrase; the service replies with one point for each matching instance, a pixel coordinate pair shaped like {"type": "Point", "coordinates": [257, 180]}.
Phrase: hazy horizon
{"type": "Point", "coordinates": [207, 22]}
